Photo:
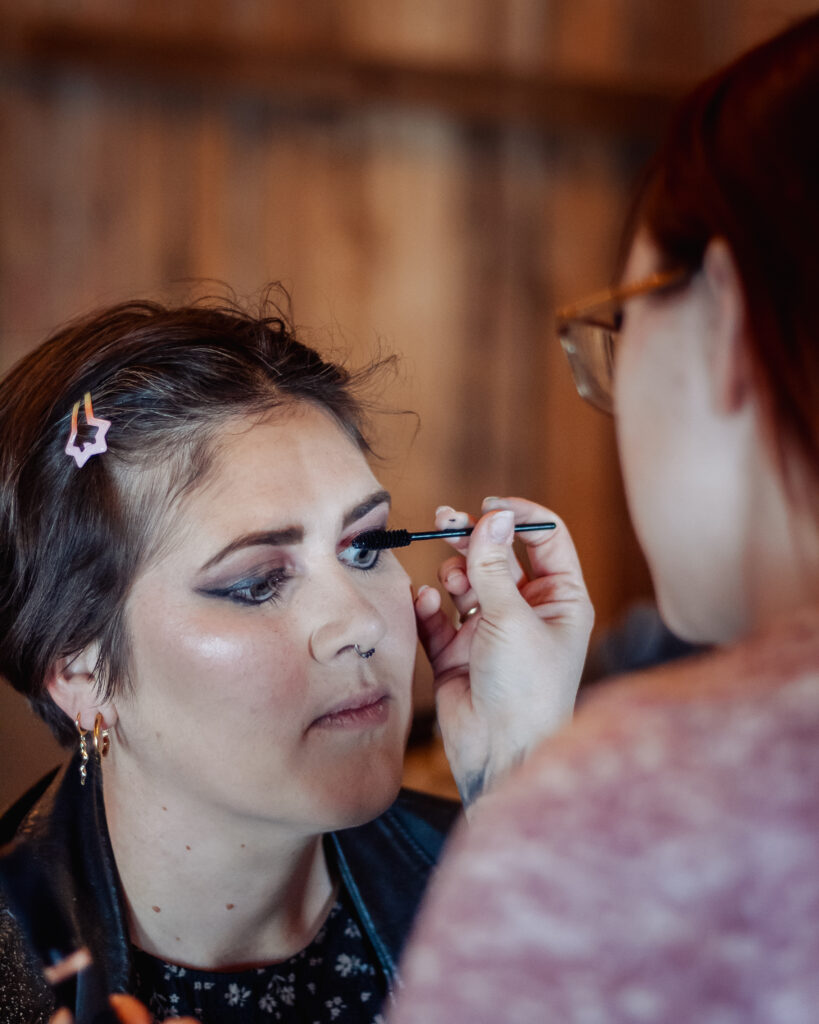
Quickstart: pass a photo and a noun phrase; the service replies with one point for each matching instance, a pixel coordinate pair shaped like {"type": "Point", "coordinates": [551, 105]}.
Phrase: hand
{"type": "Point", "coordinates": [129, 1011]}
{"type": "Point", "coordinates": [509, 675]}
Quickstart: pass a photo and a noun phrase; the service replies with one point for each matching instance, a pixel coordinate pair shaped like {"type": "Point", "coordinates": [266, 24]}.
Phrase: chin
{"type": "Point", "coordinates": [355, 778]}
{"type": "Point", "coordinates": [359, 808]}
{"type": "Point", "coordinates": [364, 791]}
{"type": "Point", "coordinates": [681, 628]}
{"type": "Point", "coordinates": [697, 622]}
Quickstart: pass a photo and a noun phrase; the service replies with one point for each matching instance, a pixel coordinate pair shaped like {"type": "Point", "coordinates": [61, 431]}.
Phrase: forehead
{"type": "Point", "coordinates": [284, 464]}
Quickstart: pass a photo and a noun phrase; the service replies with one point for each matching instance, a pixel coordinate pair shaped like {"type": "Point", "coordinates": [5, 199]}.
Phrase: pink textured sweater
{"type": "Point", "coordinates": [658, 861]}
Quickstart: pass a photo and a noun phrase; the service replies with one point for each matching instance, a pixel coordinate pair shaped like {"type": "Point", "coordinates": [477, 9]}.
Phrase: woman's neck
{"type": "Point", "coordinates": [210, 892]}
{"type": "Point", "coordinates": [782, 557]}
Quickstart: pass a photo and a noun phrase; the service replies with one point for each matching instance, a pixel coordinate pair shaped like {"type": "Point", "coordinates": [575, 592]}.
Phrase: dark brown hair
{"type": "Point", "coordinates": [741, 162]}
{"type": "Point", "coordinates": [72, 539]}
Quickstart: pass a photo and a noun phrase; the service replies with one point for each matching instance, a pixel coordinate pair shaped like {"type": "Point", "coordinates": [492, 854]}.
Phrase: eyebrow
{"type": "Point", "coordinates": [367, 505]}
{"type": "Point", "coordinates": [295, 534]}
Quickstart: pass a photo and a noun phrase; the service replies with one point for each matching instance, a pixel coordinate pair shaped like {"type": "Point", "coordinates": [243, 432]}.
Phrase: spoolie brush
{"type": "Point", "coordinates": [378, 540]}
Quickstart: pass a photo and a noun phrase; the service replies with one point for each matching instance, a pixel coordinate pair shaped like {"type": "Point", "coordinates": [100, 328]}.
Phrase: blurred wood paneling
{"type": "Point", "coordinates": [434, 175]}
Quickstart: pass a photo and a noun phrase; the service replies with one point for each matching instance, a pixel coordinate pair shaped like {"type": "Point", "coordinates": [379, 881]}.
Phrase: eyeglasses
{"type": "Point", "coordinates": [589, 330]}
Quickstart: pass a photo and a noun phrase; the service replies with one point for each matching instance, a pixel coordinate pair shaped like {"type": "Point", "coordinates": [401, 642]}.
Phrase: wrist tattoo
{"type": "Point", "coordinates": [471, 786]}
{"type": "Point", "coordinates": [475, 783]}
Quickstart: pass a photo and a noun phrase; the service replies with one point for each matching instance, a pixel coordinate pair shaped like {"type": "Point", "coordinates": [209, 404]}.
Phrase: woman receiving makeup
{"type": "Point", "coordinates": [183, 603]}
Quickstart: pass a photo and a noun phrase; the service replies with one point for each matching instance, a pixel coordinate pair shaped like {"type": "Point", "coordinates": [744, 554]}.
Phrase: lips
{"type": "Point", "coordinates": [360, 709]}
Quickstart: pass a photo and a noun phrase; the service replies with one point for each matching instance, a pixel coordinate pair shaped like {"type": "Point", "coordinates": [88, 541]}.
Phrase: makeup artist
{"type": "Point", "coordinates": [181, 601]}
{"type": "Point", "coordinates": [657, 861]}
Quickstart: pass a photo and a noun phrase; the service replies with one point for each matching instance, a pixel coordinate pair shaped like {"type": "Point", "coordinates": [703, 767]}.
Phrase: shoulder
{"type": "Point", "coordinates": [668, 835]}
{"type": "Point", "coordinates": [425, 819]}
{"type": "Point", "coordinates": [24, 996]}
{"type": "Point", "coordinates": [716, 711]}
{"type": "Point", "coordinates": [386, 865]}
{"type": "Point", "coordinates": [31, 802]}
{"type": "Point", "coordinates": [717, 748]}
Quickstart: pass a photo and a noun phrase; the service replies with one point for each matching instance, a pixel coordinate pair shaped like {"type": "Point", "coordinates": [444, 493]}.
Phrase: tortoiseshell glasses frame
{"type": "Point", "coordinates": [588, 332]}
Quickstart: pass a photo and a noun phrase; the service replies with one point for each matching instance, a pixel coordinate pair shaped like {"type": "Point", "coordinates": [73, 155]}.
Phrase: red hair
{"type": "Point", "coordinates": [741, 162]}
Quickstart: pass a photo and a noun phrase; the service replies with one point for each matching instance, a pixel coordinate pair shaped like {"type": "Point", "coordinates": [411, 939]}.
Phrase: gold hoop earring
{"type": "Point", "coordinates": [102, 742]}
{"type": "Point", "coordinates": [83, 752]}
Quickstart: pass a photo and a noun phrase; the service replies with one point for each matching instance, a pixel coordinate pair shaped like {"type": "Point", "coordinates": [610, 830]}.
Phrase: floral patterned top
{"type": "Point", "coordinates": [334, 979]}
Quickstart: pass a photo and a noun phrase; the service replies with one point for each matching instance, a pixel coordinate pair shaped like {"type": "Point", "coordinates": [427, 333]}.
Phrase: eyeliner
{"type": "Point", "coordinates": [377, 540]}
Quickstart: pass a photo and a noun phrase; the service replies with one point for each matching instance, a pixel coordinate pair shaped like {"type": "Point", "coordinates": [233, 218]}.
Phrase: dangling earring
{"type": "Point", "coordinates": [83, 752]}
{"type": "Point", "coordinates": [101, 739]}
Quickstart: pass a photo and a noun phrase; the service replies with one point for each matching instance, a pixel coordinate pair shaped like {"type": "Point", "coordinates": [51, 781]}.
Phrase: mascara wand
{"type": "Point", "coordinates": [378, 540]}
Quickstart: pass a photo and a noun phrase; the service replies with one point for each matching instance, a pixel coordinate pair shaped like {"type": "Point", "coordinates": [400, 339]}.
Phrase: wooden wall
{"type": "Point", "coordinates": [434, 174]}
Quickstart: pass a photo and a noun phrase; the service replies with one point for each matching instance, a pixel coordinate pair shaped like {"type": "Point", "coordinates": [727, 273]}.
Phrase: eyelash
{"type": "Point", "coordinates": [242, 592]}
{"type": "Point", "coordinates": [372, 555]}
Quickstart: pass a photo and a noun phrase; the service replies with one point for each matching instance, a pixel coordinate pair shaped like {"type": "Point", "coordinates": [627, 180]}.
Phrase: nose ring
{"type": "Point", "coordinates": [363, 654]}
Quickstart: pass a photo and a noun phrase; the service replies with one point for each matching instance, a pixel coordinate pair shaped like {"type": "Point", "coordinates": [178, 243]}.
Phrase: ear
{"type": "Point", "coordinates": [728, 319]}
{"type": "Point", "coordinates": [72, 684]}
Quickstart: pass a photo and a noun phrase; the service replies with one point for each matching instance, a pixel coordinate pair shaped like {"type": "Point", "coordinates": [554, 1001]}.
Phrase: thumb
{"type": "Point", "coordinates": [488, 565]}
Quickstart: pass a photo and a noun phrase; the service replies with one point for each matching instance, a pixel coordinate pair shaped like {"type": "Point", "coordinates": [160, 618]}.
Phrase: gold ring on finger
{"type": "Point", "coordinates": [470, 612]}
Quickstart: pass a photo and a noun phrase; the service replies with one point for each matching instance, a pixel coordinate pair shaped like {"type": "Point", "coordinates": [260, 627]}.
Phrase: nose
{"type": "Point", "coordinates": [346, 618]}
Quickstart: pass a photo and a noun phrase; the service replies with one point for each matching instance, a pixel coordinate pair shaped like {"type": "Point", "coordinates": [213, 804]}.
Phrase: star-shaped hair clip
{"type": "Point", "coordinates": [81, 452]}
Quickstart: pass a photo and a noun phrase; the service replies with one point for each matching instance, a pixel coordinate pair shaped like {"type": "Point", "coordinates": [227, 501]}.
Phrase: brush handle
{"type": "Point", "coordinates": [467, 530]}
{"type": "Point", "coordinates": [378, 540]}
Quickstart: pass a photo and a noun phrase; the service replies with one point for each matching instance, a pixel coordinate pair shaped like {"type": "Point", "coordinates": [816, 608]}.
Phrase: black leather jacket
{"type": "Point", "coordinates": [385, 866]}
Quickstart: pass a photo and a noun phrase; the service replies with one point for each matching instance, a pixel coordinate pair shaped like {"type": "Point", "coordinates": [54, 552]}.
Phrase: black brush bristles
{"type": "Point", "coordinates": [378, 540]}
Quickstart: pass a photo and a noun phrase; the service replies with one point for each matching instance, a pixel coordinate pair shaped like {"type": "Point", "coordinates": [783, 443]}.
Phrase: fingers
{"type": "Point", "coordinates": [488, 564]}
{"type": "Point", "coordinates": [127, 1009]}
{"type": "Point", "coordinates": [454, 580]}
{"type": "Point", "coordinates": [551, 551]}
{"type": "Point", "coordinates": [476, 575]}
{"type": "Point", "coordinates": [435, 630]}
{"type": "Point", "coordinates": [448, 518]}
{"type": "Point", "coordinates": [556, 591]}
{"type": "Point", "coordinates": [130, 1010]}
